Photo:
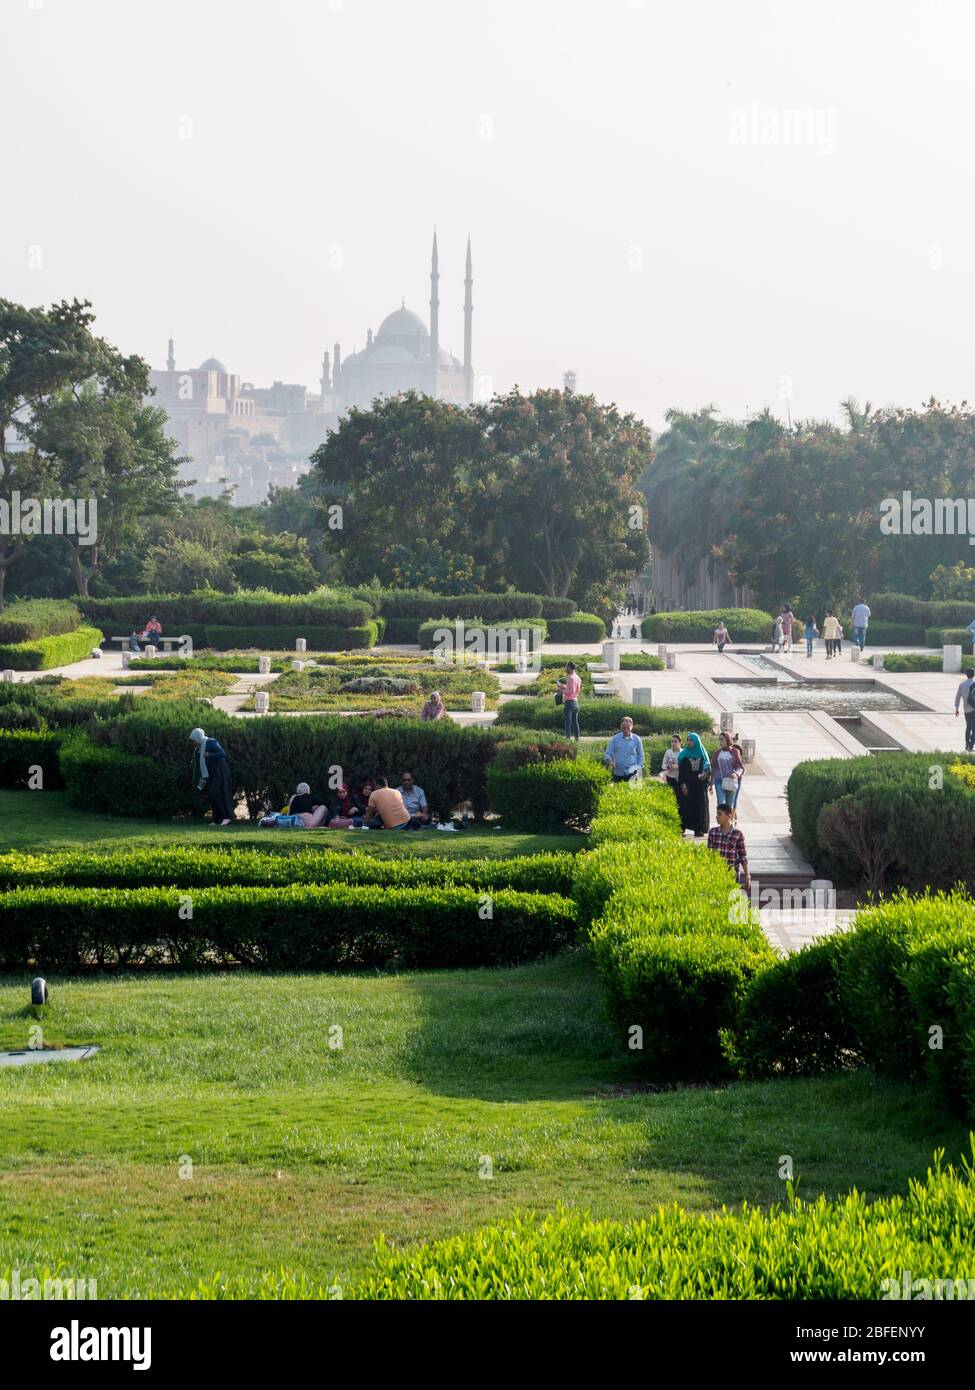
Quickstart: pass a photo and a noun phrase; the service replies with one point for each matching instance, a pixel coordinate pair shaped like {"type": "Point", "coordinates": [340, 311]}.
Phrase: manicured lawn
{"type": "Point", "coordinates": [43, 821]}
{"type": "Point", "coordinates": [301, 1153]}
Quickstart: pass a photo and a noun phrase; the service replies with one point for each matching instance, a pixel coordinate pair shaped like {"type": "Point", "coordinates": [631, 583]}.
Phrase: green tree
{"type": "Point", "coordinates": [43, 354]}
{"type": "Point", "coordinates": [279, 563]}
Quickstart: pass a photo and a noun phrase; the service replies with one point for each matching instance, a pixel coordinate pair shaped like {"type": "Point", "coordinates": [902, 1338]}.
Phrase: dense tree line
{"type": "Point", "coordinates": [797, 512]}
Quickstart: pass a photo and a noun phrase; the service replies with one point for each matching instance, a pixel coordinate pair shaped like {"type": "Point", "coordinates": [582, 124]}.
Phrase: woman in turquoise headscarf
{"type": "Point", "coordinates": [693, 779]}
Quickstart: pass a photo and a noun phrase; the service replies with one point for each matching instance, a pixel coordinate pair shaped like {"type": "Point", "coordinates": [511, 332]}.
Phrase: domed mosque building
{"type": "Point", "coordinates": [405, 355]}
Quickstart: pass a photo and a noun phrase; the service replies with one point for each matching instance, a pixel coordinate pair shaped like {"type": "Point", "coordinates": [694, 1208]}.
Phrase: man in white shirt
{"type": "Point", "coordinates": [965, 697]}
{"type": "Point", "coordinates": [861, 617]}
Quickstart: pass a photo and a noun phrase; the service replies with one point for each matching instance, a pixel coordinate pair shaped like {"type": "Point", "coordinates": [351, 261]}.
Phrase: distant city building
{"type": "Point", "coordinates": [259, 436]}
{"type": "Point", "coordinates": [569, 381]}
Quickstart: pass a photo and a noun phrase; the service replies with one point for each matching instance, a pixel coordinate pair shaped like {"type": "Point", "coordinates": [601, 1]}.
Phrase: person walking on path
{"type": "Point", "coordinates": [729, 770]}
{"type": "Point", "coordinates": [777, 633]}
{"type": "Point", "coordinates": [810, 632]}
{"type": "Point", "coordinates": [693, 777]}
{"type": "Point", "coordinates": [727, 840]}
{"type": "Point", "coordinates": [624, 753]}
{"type": "Point", "coordinates": [788, 618]}
{"type": "Point", "coordinates": [965, 697]}
{"type": "Point", "coordinates": [722, 637]}
{"type": "Point", "coordinates": [212, 775]}
{"type": "Point", "coordinates": [668, 764]}
{"type": "Point", "coordinates": [831, 634]}
{"type": "Point", "coordinates": [861, 617]}
{"type": "Point", "coordinates": [571, 688]}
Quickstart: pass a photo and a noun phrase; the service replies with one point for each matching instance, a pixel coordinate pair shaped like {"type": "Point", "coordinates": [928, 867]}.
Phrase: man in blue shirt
{"type": "Point", "coordinates": [415, 801]}
{"type": "Point", "coordinates": [624, 753]}
{"type": "Point", "coordinates": [861, 616]}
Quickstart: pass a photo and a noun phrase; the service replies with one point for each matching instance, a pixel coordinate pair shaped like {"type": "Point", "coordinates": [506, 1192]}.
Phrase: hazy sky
{"type": "Point", "coordinates": [684, 202]}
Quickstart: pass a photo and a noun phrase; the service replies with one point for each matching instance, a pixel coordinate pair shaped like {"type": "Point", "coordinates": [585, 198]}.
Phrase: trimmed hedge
{"type": "Point", "coordinates": [479, 624]}
{"type": "Point", "coordinates": [896, 991]}
{"type": "Point", "coordinates": [673, 948]}
{"type": "Point", "coordinates": [915, 833]}
{"type": "Point", "coordinates": [268, 757]}
{"type": "Point", "coordinates": [319, 638]}
{"type": "Point", "coordinates": [581, 627]}
{"type": "Point", "coordinates": [547, 795]}
{"type": "Point", "coordinates": [248, 608]}
{"type": "Point", "coordinates": [949, 637]}
{"type": "Point", "coordinates": [42, 653]}
{"type": "Point", "coordinates": [27, 619]}
{"type": "Point", "coordinates": [558, 607]}
{"type": "Point", "coordinates": [422, 604]}
{"type": "Point", "coordinates": [278, 866]}
{"type": "Point", "coordinates": [898, 634]}
{"type": "Point", "coordinates": [744, 624]}
{"type": "Point", "coordinates": [24, 749]}
{"type": "Point", "coordinates": [640, 661]}
{"type": "Point", "coordinates": [834, 1250]}
{"type": "Point", "coordinates": [603, 716]}
{"type": "Point", "coordinates": [912, 661]}
{"type": "Point", "coordinates": [300, 927]}
{"type": "Point", "coordinates": [905, 608]}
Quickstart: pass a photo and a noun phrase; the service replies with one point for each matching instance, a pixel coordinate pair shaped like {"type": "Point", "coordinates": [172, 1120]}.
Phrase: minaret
{"type": "Point", "coordinates": [434, 313]}
{"type": "Point", "coordinates": [468, 318]}
{"type": "Point", "coordinates": [337, 368]}
{"type": "Point", "coordinates": [326, 378]}
{"type": "Point", "coordinates": [171, 358]}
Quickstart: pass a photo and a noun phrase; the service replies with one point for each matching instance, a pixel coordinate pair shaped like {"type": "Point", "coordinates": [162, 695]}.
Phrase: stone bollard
{"type": "Point", "coordinates": [8, 677]}
{"type": "Point", "coordinates": [643, 695]}
{"type": "Point", "coordinates": [855, 652]}
{"type": "Point", "coordinates": [611, 655]}
{"type": "Point", "coordinates": [748, 750]}
{"type": "Point", "coordinates": [262, 702]}
{"type": "Point", "coordinates": [477, 702]}
{"type": "Point", "coordinates": [670, 661]}
{"type": "Point", "coordinates": [301, 644]}
{"type": "Point", "coordinates": [521, 655]}
{"type": "Point", "coordinates": [264, 665]}
{"type": "Point", "coordinates": [126, 660]}
{"type": "Point", "coordinates": [878, 661]}
{"type": "Point", "coordinates": [662, 650]}
{"type": "Point", "coordinates": [726, 722]}
{"type": "Point", "coordinates": [951, 659]}
{"type": "Point", "coordinates": [150, 651]}
{"type": "Point", "coordinates": [297, 665]}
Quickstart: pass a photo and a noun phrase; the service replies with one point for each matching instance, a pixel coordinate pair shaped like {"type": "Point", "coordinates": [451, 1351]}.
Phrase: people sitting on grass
{"type": "Point", "coordinates": [624, 753]}
{"type": "Point", "coordinates": [433, 708]}
{"type": "Point", "coordinates": [385, 809]}
{"type": "Point", "coordinates": [415, 801]}
{"type": "Point", "coordinates": [305, 812]}
{"type": "Point", "coordinates": [212, 775]}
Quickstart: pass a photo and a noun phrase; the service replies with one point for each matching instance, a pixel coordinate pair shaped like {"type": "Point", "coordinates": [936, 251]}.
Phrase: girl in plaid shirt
{"type": "Point", "coordinates": [729, 842]}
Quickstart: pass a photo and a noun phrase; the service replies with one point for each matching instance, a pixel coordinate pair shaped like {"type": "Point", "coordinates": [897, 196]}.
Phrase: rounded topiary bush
{"type": "Point", "coordinates": [546, 796]}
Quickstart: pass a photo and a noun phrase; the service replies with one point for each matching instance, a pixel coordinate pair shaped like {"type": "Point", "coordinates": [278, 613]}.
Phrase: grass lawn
{"type": "Point", "coordinates": [43, 821]}
{"type": "Point", "coordinates": [455, 1098]}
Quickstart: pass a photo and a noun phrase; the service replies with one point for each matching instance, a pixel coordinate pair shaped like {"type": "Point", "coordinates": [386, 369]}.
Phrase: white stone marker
{"type": "Point", "coordinates": [670, 661]}
{"type": "Point", "coordinates": [521, 655]}
{"type": "Point", "coordinates": [878, 661]}
{"type": "Point", "coordinates": [611, 655]}
{"type": "Point", "coordinates": [301, 644]}
{"type": "Point", "coordinates": [854, 652]}
{"type": "Point", "coordinates": [727, 722]}
{"type": "Point", "coordinates": [662, 650]}
{"type": "Point", "coordinates": [126, 660]}
{"type": "Point", "coordinates": [477, 701]}
{"type": "Point", "coordinates": [8, 677]}
{"type": "Point", "coordinates": [297, 665]}
{"type": "Point", "coordinates": [262, 702]}
{"type": "Point", "coordinates": [264, 665]}
{"type": "Point", "coordinates": [951, 659]}
{"type": "Point", "coordinates": [150, 651]}
{"type": "Point", "coordinates": [643, 695]}
{"type": "Point", "coordinates": [748, 749]}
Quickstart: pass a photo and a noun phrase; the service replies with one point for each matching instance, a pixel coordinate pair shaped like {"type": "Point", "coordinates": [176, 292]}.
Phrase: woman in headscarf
{"type": "Point", "coordinates": [434, 707]}
{"type": "Point", "coordinates": [305, 812]}
{"type": "Point", "coordinates": [693, 779]}
{"type": "Point", "coordinates": [211, 775]}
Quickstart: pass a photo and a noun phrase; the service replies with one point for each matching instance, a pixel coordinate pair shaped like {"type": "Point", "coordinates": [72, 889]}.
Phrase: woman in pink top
{"type": "Point", "coordinates": [571, 687]}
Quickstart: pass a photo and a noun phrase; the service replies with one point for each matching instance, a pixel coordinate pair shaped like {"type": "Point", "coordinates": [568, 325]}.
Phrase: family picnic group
{"type": "Point", "coordinates": [372, 805]}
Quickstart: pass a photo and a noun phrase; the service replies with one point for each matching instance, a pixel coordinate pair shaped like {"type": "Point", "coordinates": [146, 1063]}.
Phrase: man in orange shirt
{"type": "Point", "coordinates": [387, 803]}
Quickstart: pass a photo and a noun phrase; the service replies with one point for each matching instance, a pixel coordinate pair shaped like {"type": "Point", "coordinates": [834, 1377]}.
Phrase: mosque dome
{"type": "Point", "coordinates": [212, 364]}
{"type": "Point", "coordinates": [402, 324]}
